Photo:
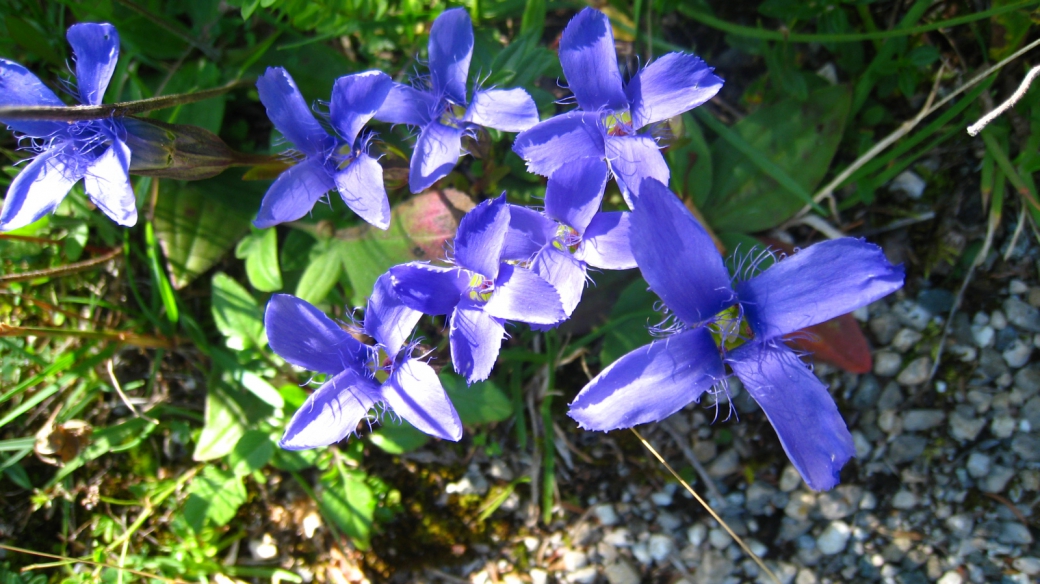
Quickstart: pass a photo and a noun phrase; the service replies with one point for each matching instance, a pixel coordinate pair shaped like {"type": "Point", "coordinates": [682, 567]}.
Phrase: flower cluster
{"type": "Point", "coordinates": [507, 263]}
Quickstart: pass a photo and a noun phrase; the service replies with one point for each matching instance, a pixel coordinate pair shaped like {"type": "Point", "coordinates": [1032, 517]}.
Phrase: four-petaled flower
{"type": "Point", "coordinates": [304, 336]}
{"type": "Point", "coordinates": [441, 109]}
{"type": "Point", "coordinates": [679, 261]}
{"type": "Point", "coordinates": [572, 233]}
{"type": "Point", "coordinates": [92, 150]}
{"type": "Point", "coordinates": [480, 293]}
{"type": "Point", "coordinates": [611, 114]}
{"type": "Point", "coordinates": [342, 164]}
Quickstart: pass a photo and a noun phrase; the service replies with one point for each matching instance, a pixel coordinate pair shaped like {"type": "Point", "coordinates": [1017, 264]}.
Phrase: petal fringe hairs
{"type": "Point", "coordinates": [510, 263]}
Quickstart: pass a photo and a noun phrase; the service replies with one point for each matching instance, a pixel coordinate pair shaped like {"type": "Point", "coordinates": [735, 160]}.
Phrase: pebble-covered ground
{"type": "Point", "coordinates": [944, 488]}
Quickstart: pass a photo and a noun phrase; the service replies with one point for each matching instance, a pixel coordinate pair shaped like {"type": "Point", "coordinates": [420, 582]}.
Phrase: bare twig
{"type": "Point", "coordinates": [119, 390]}
{"type": "Point", "coordinates": [59, 271]}
{"type": "Point", "coordinates": [974, 129]}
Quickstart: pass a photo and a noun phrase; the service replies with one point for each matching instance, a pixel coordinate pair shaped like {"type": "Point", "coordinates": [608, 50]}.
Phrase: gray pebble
{"type": "Point", "coordinates": [1018, 287]}
{"type": "Point", "coordinates": [789, 479]}
{"type": "Point", "coordinates": [869, 389]}
{"type": "Point", "coordinates": [960, 525]}
{"type": "Point", "coordinates": [964, 425]}
{"type": "Point", "coordinates": [980, 399]}
{"type": "Point", "coordinates": [834, 538]}
{"type": "Point", "coordinates": [913, 315]}
{"type": "Point", "coordinates": [1014, 533]}
{"type": "Point", "coordinates": [978, 464]}
{"type": "Point", "coordinates": [905, 340]}
{"type": "Point", "coordinates": [887, 363]}
{"type": "Point", "coordinates": [696, 534]}
{"type": "Point", "coordinates": [1002, 426]}
{"type": "Point", "coordinates": [800, 505]}
{"type": "Point", "coordinates": [621, 573]}
{"type": "Point", "coordinates": [1017, 355]}
{"type": "Point", "coordinates": [725, 464]}
{"type": "Point", "coordinates": [1027, 447]}
{"type": "Point", "coordinates": [840, 502]}
{"type": "Point", "coordinates": [661, 498]}
{"type": "Point", "coordinates": [890, 398]}
{"type": "Point", "coordinates": [1022, 315]}
{"type": "Point", "coordinates": [719, 539]}
{"type": "Point", "coordinates": [586, 575]}
{"type": "Point", "coordinates": [1031, 412]}
{"type": "Point", "coordinates": [660, 546]}
{"type": "Point", "coordinates": [1028, 380]}
{"type": "Point", "coordinates": [906, 448]}
{"type": "Point", "coordinates": [916, 372]}
{"type": "Point", "coordinates": [997, 479]}
{"type": "Point", "coordinates": [983, 335]}
{"type": "Point", "coordinates": [884, 326]}
{"type": "Point", "coordinates": [918, 420]}
{"type": "Point", "coordinates": [997, 320]}
{"type": "Point", "coordinates": [863, 446]}
{"type": "Point", "coordinates": [606, 514]}
{"type": "Point", "coordinates": [642, 553]}
{"type": "Point", "coordinates": [759, 495]}
{"type": "Point", "coordinates": [668, 522]}
{"type": "Point", "coordinates": [1027, 565]}
{"type": "Point", "coordinates": [574, 559]}
{"type": "Point", "coordinates": [904, 499]}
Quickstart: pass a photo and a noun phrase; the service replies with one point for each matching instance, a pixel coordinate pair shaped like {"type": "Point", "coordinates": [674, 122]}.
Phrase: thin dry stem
{"type": "Point", "coordinates": [974, 129]}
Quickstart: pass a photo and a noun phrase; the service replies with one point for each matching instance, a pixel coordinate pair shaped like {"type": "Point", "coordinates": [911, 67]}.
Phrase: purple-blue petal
{"type": "Point", "coordinates": [565, 273]}
{"type": "Point", "coordinates": [304, 336]}
{"type": "Point", "coordinates": [293, 193]}
{"type": "Point", "coordinates": [529, 231]}
{"type": "Point", "coordinates": [19, 87]}
{"type": "Point", "coordinates": [678, 257]}
{"type": "Point", "coordinates": [407, 105]}
{"type": "Point", "coordinates": [107, 183]}
{"type": "Point", "coordinates": [96, 49]}
{"type": "Point", "coordinates": [387, 319]}
{"type": "Point", "coordinates": [559, 141]}
{"type": "Point", "coordinates": [481, 236]}
{"type": "Point", "coordinates": [38, 189]}
{"type": "Point", "coordinates": [436, 153]}
{"type": "Point", "coordinates": [823, 281]}
{"type": "Point", "coordinates": [634, 159]}
{"type": "Point", "coordinates": [669, 86]}
{"type": "Point", "coordinates": [429, 289]}
{"type": "Point", "coordinates": [524, 296]}
{"type": "Point", "coordinates": [650, 383]}
{"type": "Point", "coordinates": [451, 48]}
{"type": "Point", "coordinates": [291, 115]}
{"type": "Point", "coordinates": [575, 192]}
{"type": "Point", "coordinates": [415, 393]}
{"type": "Point", "coordinates": [355, 99]}
{"type": "Point", "coordinates": [606, 243]}
{"type": "Point", "coordinates": [509, 110]}
{"type": "Point", "coordinates": [800, 409]}
{"type": "Point", "coordinates": [476, 339]}
{"type": "Point", "coordinates": [589, 61]}
{"type": "Point", "coordinates": [361, 186]}
{"type": "Point", "coordinates": [332, 412]}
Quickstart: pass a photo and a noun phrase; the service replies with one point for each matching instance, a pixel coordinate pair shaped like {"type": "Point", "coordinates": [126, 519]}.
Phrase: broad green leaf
{"type": "Point", "coordinates": [630, 316]}
{"type": "Point", "coordinates": [418, 231]}
{"type": "Point", "coordinates": [800, 138]}
{"type": "Point", "coordinates": [252, 452]}
{"type": "Point", "coordinates": [236, 313]}
{"type": "Point", "coordinates": [398, 438]}
{"type": "Point", "coordinates": [260, 251]}
{"type": "Point", "coordinates": [197, 223]}
{"type": "Point", "coordinates": [223, 425]}
{"type": "Point", "coordinates": [690, 160]}
{"type": "Point", "coordinates": [349, 502]}
{"type": "Point", "coordinates": [196, 76]}
{"type": "Point", "coordinates": [480, 403]}
{"type": "Point", "coordinates": [322, 272]}
{"type": "Point", "coordinates": [214, 496]}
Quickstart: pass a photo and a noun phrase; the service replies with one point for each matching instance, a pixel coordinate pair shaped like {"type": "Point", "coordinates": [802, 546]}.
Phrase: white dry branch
{"type": "Point", "coordinates": [974, 129]}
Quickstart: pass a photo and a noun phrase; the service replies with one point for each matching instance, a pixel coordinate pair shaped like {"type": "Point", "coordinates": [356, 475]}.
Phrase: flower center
{"type": "Point", "coordinates": [345, 155]}
{"type": "Point", "coordinates": [452, 115]}
{"type": "Point", "coordinates": [480, 288]}
{"type": "Point", "coordinates": [567, 238]}
{"type": "Point", "coordinates": [619, 124]}
{"type": "Point", "coordinates": [730, 328]}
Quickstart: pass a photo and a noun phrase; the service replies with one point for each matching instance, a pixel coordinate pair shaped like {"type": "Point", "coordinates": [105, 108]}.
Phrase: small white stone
{"type": "Point", "coordinates": [1017, 355]}
{"type": "Point", "coordinates": [1002, 426]}
{"type": "Point", "coordinates": [641, 553]}
{"type": "Point", "coordinates": [586, 575]}
{"type": "Point", "coordinates": [886, 363]}
{"type": "Point", "coordinates": [868, 502]}
{"type": "Point", "coordinates": [908, 182]}
{"type": "Point", "coordinates": [828, 72]}
{"type": "Point", "coordinates": [997, 320]}
{"type": "Point", "coordinates": [660, 547]}
{"type": "Point", "coordinates": [1024, 426]}
{"type": "Point", "coordinates": [618, 537]}
{"type": "Point", "coordinates": [904, 500]}
{"type": "Point", "coordinates": [951, 577]}
{"type": "Point", "coordinates": [834, 538]}
{"type": "Point", "coordinates": [790, 479]}
{"type": "Point", "coordinates": [983, 335]}
{"type": "Point", "coordinates": [606, 514]}
{"type": "Point", "coordinates": [264, 548]}
{"type": "Point", "coordinates": [311, 523]}
{"type": "Point", "coordinates": [574, 560]}
{"type": "Point", "coordinates": [1027, 565]}
{"type": "Point", "coordinates": [661, 498]}
{"type": "Point", "coordinates": [538, 576]}
{"type": "Point", "coordinates": [696, 534]}
{"type": "Point", "coordinates": [905, 339]}
{"type": "Point", "coordinates": [978, 464]}
{"type": "Point", "coordinates": [719, 539]}
{"type": "Point", "coordinates": [1018, 287]}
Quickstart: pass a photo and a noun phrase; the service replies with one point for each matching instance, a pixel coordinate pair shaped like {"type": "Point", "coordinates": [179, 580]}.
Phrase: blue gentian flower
{"type": "Point", "coordinates": [679, 261]}
{"type": "Point", "coordinates": [480, 293]}
{"type": "Point", "coordinates": [572, 233]}
{"type": "Point", "coordinates": [440, 109]}
{"type": "Point", "coordinates": [305, 337]}
{"type": "Point", "coordinates": [92, 150]}
{"type": "Point", "coordinates": [340, 162]}
{"type": "Point", "coordinates": [612, 119]}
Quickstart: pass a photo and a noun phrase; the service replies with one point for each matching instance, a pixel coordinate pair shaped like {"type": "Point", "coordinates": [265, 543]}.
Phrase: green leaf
{"type": "Point", "coordinates": [349, 502]}
{"type": "Point", "coordinates": [252, 452]}
{"type": "Point", "coordinates": [480, 403]}
{"type": "Point", "coordinates": [236, 313]}
{"type": "Point", "coordinates": [629, 315]}
{"type": "Point", "coordinates": [533, 20]}
{"type": "Point", "coordinates": [799, 138]}
{"type": "Point", "coordinates": [322, 272]}
{"type": "Point", "coordinates": [196, 224]}
{"type": "Point", "coordinates": [214, 496]}
{"type": "Point", "coordinates": [398, 438]}
{"type": "Point", "coordinates": [260, 251]}
{"type": "Point", "coordinates": [229, 411]}
{"type": "Point", "coordinates": [418, 231]}
{"type": "Point", "coordinates": [690, 160]}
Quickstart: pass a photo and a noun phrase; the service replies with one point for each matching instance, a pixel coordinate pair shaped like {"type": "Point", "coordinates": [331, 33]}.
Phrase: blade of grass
{"type": "Point", "coordinates": [549, 446]}
{"type": "Point", "coordinates": [60, 271]}
{"type": "Point", "coordinates": [68, 560]}
{"type": "Point", "coordinates": [63, 362]}
{"type": "Point", "coordinates": [169, 300]}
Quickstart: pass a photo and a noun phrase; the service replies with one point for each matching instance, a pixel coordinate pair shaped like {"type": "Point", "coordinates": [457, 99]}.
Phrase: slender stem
{"type": "Point", "coordinates": [66, 560]}
{"type": "Point", "coordinates": [60, 271]}
{"type": "Point", "coordinates": [148, 342]}
{"type": "Point", "coordinates": [549, 450]}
